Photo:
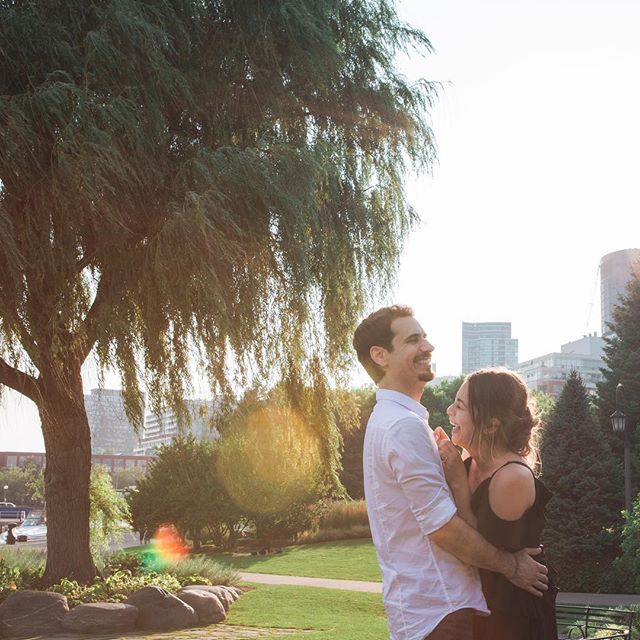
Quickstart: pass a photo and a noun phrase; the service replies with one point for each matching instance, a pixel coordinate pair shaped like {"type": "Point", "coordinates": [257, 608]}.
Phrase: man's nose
{"type": "Point", "coordinates": [427, 346]}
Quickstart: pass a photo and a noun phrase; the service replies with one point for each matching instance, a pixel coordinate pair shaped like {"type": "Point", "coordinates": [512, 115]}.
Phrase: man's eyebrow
{"type": "Point", "coordinates": [415, 335]}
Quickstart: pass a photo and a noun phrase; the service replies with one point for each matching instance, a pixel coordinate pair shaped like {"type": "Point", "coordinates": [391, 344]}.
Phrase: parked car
{"type": "Point", "coordinates": [32, 529]}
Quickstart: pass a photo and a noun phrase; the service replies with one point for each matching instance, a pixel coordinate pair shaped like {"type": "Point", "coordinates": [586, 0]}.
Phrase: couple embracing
{"type": "Point", "coordinates": [458, 541]}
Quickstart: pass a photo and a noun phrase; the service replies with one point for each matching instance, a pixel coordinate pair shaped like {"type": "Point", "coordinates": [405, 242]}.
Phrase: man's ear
{"type": "Point", "coordinates": [379, 356]}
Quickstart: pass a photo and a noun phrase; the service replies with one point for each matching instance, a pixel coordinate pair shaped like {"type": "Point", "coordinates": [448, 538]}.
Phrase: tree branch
{"type": "Point", "coordinates": [19, 381]}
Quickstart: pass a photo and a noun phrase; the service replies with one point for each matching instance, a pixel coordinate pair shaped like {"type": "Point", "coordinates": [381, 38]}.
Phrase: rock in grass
{"type": "Point", "coordinates": [101, 617]}
{"type": "Point", "coordinates": [206, 605]}
{"type": "Point", "coordinates": [159, 610]}
{"type": "Point", "coordinates": [32, 613]}
{"type": "Point", "coordinates": [225, 597]}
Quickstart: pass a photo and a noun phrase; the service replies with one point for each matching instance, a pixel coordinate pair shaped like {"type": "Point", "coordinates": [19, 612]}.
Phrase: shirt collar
{"type": "Point", "coordinates": [404, 400]}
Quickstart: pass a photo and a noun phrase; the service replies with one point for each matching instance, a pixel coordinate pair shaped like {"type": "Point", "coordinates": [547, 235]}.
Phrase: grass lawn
{"type": "Point", "coordinates": [345, 559]}
{"type": "Point", "coordinates": [335, 614]}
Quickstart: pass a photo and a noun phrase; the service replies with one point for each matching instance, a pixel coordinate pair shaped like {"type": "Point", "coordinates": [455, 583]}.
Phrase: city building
{"type": "Point", "coordinates": [161, 430]}
{"type": "Point", "coordinates": [111, 430]}
{"type": "Point", "coordinates": [113, 463]}
{"type": "Point", "coordinates": [549, 373]}
{"type": "Point", "coordinates": [615, 271]}
{"type": "Point", "coordinates": [488, 344]}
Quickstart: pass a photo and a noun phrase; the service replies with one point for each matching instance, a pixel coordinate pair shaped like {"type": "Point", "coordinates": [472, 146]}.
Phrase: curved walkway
{"type": "Point", "coordinates": [594, 599]}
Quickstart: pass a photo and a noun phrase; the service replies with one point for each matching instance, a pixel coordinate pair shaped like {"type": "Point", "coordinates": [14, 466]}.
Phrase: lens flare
{"type": "Point", "coordinates": [270, 460]}
{"type": "Point", "coordinates": [167, 548]}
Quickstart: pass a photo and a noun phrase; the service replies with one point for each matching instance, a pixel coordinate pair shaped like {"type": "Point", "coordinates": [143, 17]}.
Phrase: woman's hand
{"type": "Point", "coordinates": [454, 470]}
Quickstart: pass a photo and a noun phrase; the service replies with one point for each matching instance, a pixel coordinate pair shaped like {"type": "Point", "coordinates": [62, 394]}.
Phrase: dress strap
{"type": "Point", "coordinates": [524, 464]}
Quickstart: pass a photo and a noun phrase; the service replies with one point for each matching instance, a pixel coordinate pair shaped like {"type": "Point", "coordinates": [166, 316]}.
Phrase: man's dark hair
{"type": "Point", "coordinates": [375, 331]}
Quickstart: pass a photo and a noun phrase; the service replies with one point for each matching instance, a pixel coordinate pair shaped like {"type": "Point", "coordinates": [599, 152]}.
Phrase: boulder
{"type": "Point", "coordinates": [220, 591]}
{"type": "Point", "coordinates": [101, 617]}
{"type": "Point", "coordinates": [206, 605]}
{"type": "Point", "coordinates": [32, 613]}
{"type": "Point", "coordinates": [159, 610]}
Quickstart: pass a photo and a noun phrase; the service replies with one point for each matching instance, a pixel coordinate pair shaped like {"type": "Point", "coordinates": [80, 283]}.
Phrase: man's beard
{"type": "Point", "coordinates": [427, 376]}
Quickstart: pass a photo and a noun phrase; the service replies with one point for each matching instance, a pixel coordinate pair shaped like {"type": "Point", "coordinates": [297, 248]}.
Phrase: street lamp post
{"type": "Point", "coordinates": [619, 424]}
{"type": "Point", "coordinates": [4, 492]}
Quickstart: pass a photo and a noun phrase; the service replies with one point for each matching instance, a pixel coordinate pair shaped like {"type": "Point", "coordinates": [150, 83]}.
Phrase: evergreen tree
{"type": "Point", "coordinates": [622, 365]}
{"type": "Point", "coordinates": [224, 178]}
{"type": "Point", "coordinates": [578, 468]}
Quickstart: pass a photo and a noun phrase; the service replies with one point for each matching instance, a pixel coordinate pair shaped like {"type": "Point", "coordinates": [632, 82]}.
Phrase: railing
{"type": "Point", "coordinates": [13, 514]}
{"type": "Point", "coordinates": [576, 621]}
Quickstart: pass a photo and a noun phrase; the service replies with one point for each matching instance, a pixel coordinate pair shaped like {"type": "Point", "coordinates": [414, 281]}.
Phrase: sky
{"type": "Point", "coordinates": [537, 178]}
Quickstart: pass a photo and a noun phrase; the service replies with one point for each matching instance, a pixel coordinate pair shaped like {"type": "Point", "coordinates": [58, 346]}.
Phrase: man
{"type": "Point", "coordinates": [427, 553]}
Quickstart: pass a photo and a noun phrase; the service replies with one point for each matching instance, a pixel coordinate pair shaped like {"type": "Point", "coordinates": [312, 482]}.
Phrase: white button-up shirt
{"type": "Point", "coordinates": [407, 499]}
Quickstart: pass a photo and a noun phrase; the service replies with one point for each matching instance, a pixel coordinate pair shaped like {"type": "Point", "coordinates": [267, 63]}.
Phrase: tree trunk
{"type": "Point", "coordinates": [67, 441]}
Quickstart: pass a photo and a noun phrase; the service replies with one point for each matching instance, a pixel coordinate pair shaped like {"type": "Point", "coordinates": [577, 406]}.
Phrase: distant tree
{"type": "Point", "coordinates": [177, 178]}
{"type": "Point", "coordinates": [545, 404]}
{"type": "Point", "coordinates": [622, 365]}
{"type": "Point", "coordinates": [23, 483]}
{"type": "Point", "coordinates": [628, 564]}
{"type": "Point", "coordinates": [436, 398]}
{"type": "Point", "coordinates": [280, 459]}
{"type": "Point", "coordinates": [182, 488]}
{"type": "Point", "coordinates": [577, 467]}
{"type": "Point", "coordinates": [124, 478]}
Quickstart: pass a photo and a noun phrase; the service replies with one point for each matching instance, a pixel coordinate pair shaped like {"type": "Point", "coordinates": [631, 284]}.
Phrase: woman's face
{"type": "Point", "coordinates": [460, 419]}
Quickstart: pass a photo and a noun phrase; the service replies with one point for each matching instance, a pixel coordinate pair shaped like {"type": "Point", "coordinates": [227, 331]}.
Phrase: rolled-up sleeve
{"type": "Point", "coordinates": [413, 459]}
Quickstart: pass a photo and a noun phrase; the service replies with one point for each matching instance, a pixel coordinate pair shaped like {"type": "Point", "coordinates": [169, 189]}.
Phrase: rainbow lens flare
{"type": "Point", "coordinates": [167, 548]}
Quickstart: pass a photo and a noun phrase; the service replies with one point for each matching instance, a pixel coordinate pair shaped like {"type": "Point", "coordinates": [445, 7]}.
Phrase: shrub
{"type": "Point", "coordinates": [20, 569]}
{"type": "Point", "coordinates": [113, 588]}
{"type": "Point", "coordinates": [123, 561]}
{"type": "Point", "coordinates": [345, 515]}
{"type": "Point", "coordinates": [331, 535]}
{"type": "Point", "coordinates": [202, 567]}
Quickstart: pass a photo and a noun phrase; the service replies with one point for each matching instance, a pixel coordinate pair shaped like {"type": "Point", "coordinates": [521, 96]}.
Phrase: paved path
{"type": "Point", "coordinates": [212, 632]}
{"type": "Point", "coordinates": [595, 599]}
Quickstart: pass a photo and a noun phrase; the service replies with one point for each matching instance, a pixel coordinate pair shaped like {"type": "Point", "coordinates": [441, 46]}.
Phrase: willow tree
{"type": "Point", "coordinates": [183, 178]}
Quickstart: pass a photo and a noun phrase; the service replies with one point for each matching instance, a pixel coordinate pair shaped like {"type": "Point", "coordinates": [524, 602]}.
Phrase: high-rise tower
{"type": "Point", "coordinates": [615, 271]}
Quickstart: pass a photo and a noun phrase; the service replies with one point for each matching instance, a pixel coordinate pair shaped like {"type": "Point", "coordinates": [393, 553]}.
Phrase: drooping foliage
{"type": "Point", "coordinates": [214, 174]}
{"type": "Point", "coordinates": [622, 365]}
{"type": "Point", "coordinates": [219, 179]}
{"type": "Point", "coordinates": [581, 472]}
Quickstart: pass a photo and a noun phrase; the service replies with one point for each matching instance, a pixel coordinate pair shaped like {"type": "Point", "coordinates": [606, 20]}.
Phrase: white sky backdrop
{"type": "Point", "coordinates": [538, 131]}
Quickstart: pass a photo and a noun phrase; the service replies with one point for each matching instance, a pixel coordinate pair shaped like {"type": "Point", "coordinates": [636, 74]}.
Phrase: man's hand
{"type": "Point", "coordinates": [528, 574]}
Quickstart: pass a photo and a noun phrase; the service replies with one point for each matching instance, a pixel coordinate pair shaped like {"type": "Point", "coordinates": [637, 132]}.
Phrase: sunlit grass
{"type": "Point", "coordinates": [325, 614]}
{"type": "Point", "coordinates": [344, 559]}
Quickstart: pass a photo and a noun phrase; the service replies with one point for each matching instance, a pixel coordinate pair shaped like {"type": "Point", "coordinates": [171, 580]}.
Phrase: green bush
{"type": "Point", "coordinates": [20, 569]}
{"type": "Point", "coordinates": [185, 580]}
{"type": "Point", "coordinates": [113, 588]}
{"type": "Point", "coordinates": [345, 514]}
{"type": "Point", "coordinates": [123, 561]}
{"type": "Point", "coordinates": [204, 567]}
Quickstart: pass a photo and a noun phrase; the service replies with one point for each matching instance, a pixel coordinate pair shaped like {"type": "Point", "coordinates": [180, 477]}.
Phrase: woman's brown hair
{"type": "Point", "coordinates": [500, 398]}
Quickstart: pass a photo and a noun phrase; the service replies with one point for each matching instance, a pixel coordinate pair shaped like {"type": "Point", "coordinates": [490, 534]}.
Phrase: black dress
{"type": "Point", "coordinates": [515, 613]}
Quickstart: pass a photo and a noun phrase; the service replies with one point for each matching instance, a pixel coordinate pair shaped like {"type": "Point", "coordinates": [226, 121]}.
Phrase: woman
{"type": "Point", "coordinates": [497, 493]}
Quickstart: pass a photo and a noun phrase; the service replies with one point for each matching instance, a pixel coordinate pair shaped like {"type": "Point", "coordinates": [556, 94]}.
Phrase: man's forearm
{"type": "Point", "coordinates": [462, 498]}
{"type": "Point", "coordinates": [461, 540]}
